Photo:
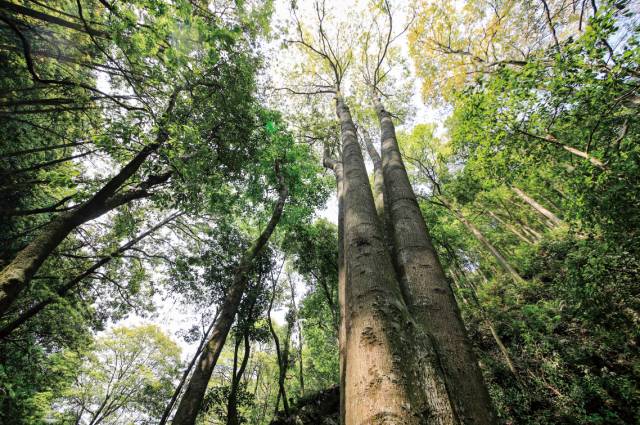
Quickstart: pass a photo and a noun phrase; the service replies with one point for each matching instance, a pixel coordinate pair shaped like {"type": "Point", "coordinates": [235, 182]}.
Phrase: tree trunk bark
{"type": "Point", "coordinates": [378, 180]}
{"type": "Point", "coordinates": [380, 199]}
{"type": "Point", "coordinates": [382, 376]}
{"type": "Point", "coordinates": [429, 294]}
{"type": "Point", "coordinates": [192, 399]}
{"type": "Point", "coordinates": [536, 206]}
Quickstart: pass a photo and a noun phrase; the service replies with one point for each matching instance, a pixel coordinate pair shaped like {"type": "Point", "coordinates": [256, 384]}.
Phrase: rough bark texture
{"type": "Point", "coordinates": [378, 180]}
{"type": "Point", "coordinates": [194, 394]}
{"type": "Point", "coordinates": [483, 240]}
{"type": "Point", "coordinates": [536, 206]}
{"type": "Point", "coordinates": [430, 298]}
{"type": "Point", "coordinates": [379, 198]}
{"type": "Point", "coordinates": [381, 370]}
{"type": "Point", "coordinates": [342, 291]}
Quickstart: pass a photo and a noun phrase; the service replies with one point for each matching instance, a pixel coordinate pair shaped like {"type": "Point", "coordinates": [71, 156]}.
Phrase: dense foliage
{"type": "Point", "coordinates": [560, 128]}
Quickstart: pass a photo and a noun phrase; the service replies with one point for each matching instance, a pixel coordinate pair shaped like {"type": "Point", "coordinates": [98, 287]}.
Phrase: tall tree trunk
{"type": "Point", "coordinates": [429, 295]}
{"type": "Point", "coordinates": [483, 240]}
{"type": "Point", "coordinates": [185, 374]}
{"type": "Point", "coordinates": [382, 376]}
{"type": "Point", "coordinates": [73, 282]}
{"type": "Point", "coordinates": [232, 403]}
{"type": "Point", "coordinates": [192, 399]}
{"type": "Point", "coordinates": [17, 275]}
{"type": "Point", "coordinates": [379, 197]}
{"type": "Point", "coordinates": [536, 206]}
{"type": "Point", "coordinates": [378, 180]}
{"type": "Point", "coordinates": [282, 356]}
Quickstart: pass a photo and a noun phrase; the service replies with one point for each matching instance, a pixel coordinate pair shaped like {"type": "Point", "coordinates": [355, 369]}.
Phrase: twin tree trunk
{"type": "Point", "coordinates": [405, 356]}
{"type": "Point", "coordinates": [377, 387]}
{"type": "Point", "coordinates": [194, 394]}
{"type": "Point", "coordinates": [427, 291]}
{"type": "Point", "coordinates": [396, 366]}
